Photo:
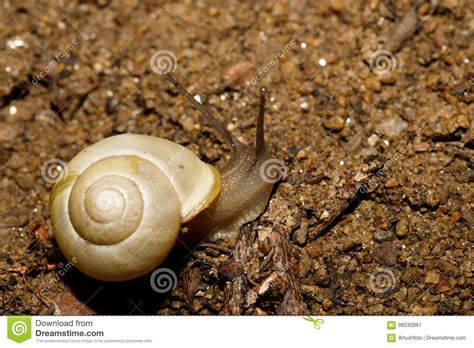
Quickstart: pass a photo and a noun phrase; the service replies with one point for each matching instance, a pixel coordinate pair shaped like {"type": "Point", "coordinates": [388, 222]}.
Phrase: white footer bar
{"type": "Point", "coordinates": [228, 332]}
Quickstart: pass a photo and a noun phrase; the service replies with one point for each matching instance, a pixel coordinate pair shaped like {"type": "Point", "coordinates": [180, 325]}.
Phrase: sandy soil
{"type": "Point", "coordinates": [374, 91]}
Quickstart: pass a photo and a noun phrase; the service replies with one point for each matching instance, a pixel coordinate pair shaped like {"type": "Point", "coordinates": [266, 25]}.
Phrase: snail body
{"type": "Point", "coordinates": [118, 211]}
{"type": "Point", "coordinates": [238, 201]}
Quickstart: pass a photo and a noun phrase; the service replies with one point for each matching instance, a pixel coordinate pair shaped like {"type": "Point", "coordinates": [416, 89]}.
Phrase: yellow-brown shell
{"type": "Point", "coordinates": [117, 212]}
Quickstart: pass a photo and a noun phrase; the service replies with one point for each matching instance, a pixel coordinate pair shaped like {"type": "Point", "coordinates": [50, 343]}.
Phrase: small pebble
{"type": "Point", "coordinates": [383, 236]}
{"type": "Point", "coordinates": [237, 74]}
{"type": "Point", "coordinates": [337, 6]}
{"type": "Point", "coordinates": [373, 140]}
{"type": "Point", "coordinates": [388, 79]}
{"type": "Point", "coordinates": [392, 126]}
{"type": "Point", "coordinates": [443, 284]}
{"type": "Point", "coordinates": [386, 254]}
{"type": "Point", "coordinates": [314, 250]}
{"type": "Point", "coordinates": [445, 125]}
{"type": "Point", "coordinates": [304, 106]}
{"type": "Point", "coordinates": [423, 309]}
{"type": "Point", "coordinates": [304, 266]}
{"type": "Point", "coordinates": [423, 9]}
{"type": "Point", "coordinates": [373, 83]}
{"type": "Point", "coordinates": [324, 215]}
{"type": "Point", "coordinates": [402, 228]}
{"type": "Point", "coordinates": [301, 234]}
{"type": "Point", "coordinates": [350, 244]}
{"type": "Point", "coordinates": [7, 132]}
{"type": "Point", "coordinates": [335, 123]}
{"type": "Point", "coordinates": [327, 304]}
{"type": "Point", "coordinates": [391, 183]}
{"type": "Point", "coordinates": [321, 275]}
{"type": "Point", "coordinates": [187, 123]}
{"type": "Point", "coordinates": [421, 147]}
{"type": "Point", "coordinates": [432, 277]}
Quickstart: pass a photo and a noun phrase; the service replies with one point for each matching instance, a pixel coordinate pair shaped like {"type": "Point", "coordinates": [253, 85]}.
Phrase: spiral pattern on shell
{"type": "Point", "coordinates": [119, 210]}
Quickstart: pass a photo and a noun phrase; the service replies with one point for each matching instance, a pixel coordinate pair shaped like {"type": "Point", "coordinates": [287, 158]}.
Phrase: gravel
{"type": "Point", "coordinates": [331, 114]}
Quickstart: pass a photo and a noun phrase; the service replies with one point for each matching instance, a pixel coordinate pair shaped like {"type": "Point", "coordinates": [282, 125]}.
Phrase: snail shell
{"type": "Point", "coordinates": [117, 212]}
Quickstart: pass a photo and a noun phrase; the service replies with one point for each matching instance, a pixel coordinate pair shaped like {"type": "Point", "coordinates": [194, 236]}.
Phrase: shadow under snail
{"type": "Point", "coordinates": [118, 210]}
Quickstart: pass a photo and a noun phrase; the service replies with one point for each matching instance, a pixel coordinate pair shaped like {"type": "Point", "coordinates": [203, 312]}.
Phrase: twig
{"type": "Point", "coordinates": [332, 278]}
{"type": "Point", "coordinates": [214, 246]}
{"type": "Point", "coordinates": [236, 288]}
{"type": "Point", "coordinates": [234, 295]}
{"type": "Point", "coordinates": [48, 302]}
{"type": "Point", "coordinates": [349, 194]}
{"type": "Point", "coordinates": [267, 259]}
{"type": "Point", "coordinates": [284, 264]}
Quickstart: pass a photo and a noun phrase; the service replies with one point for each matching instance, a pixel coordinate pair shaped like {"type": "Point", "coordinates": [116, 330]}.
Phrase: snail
{"type": "Point", "coordinates": [120, 206]}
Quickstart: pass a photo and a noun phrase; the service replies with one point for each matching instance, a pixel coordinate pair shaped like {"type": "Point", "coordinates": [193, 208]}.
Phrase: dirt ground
{"type": "Point", "coordinates": [370, 106]}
